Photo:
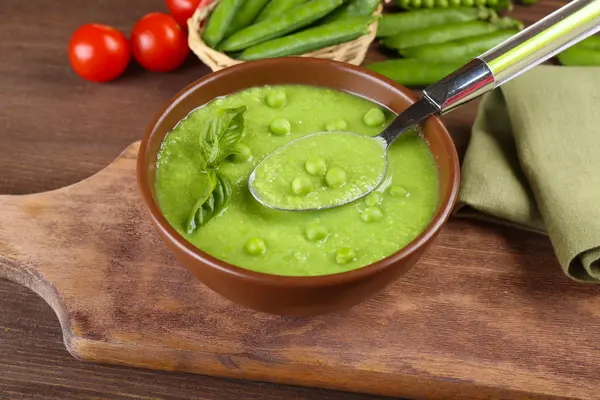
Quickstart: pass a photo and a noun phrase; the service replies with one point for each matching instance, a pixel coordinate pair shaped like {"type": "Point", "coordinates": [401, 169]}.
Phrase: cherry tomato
{"type": "Point", "coordinates": [99, 53]}
{"type": "Point", "coordinates": [182, 10]}
{"type": "Point", "coordinates": [158, 43]}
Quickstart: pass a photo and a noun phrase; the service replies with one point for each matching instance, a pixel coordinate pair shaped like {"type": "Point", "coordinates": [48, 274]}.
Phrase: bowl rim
{"type": "Point", "coordinates": [447, 200]}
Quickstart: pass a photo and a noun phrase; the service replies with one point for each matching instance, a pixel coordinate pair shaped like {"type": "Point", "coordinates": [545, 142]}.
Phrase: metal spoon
{"type": "Point", "coordinates": [556, 32]}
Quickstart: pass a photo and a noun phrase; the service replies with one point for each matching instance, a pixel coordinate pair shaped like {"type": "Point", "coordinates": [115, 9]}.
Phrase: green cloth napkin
{"type": "Point", "coordinates": [533, 162]}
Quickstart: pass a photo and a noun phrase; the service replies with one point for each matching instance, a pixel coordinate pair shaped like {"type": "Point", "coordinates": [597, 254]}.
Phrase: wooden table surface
{"type": "Point", "coordinates": [56, 129]}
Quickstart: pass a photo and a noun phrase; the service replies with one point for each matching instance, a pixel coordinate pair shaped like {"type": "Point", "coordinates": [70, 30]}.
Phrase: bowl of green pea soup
{"type": "Point", "coordinates": [197, 156]}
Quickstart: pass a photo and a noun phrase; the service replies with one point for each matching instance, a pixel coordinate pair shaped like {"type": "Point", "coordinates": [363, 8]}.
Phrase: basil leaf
{"type": "Point", "coordinates": [209, 141]}
{"type": "Point", "coordinates": [192, 221]}
{"type": "Point", "coordinates": [234, 132]}
{"type": "Point", "coordinates": [222, 193]}
{"type": "Point", "coordinates": [211, 205]}
{"type": "Point", "coordinates": [221, 134]}
{"type": "Point", "coordinates": [205, 213]}
{"type": "Point", "coordinates": [218, 140]}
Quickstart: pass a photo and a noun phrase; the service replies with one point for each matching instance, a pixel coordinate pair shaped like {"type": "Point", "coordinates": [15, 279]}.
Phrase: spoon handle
{"type": "Point", "coordinates": [563, 28]}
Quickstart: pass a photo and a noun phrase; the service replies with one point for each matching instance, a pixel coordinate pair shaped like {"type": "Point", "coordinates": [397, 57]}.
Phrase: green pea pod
{"type": "Point", "coordinates": [498, 5]}
{"type": "Point", "coordinates": [590, 43]}
{"type": "Point", "coordinates": [414, 72]}
{"type": "Point", "coordinates": [447, 33]}
{"type": "Point", "coordinates": [310, 39]}
{"type": "Point", "coordinates": [245, 15]}
{"type": "Point", "coordinates": [275, 7]}
{"type": "Point", "coordinates": [290, 21]}
{"type": "Point", "coordinates": [579, 56]}
{"type": "Point", "coordinates": [458, 49]}
{"type": "Point", "coordinates": [393, 24]}
{"type": "Point", "coordinates": [219, 20]}
{"type": "Point", "coordinates": [354, 8]}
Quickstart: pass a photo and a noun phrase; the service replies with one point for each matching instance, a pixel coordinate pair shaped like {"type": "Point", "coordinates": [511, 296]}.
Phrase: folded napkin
{"type": "Point", "coordinates": [533, 162]}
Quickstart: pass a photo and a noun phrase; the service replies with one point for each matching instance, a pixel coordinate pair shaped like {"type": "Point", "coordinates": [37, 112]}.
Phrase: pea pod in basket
{"type": "Point", "coordinates": [274, 8]}
{"type": "Point", "coordinates": [311, 39]}
{"type": "Point", "coordinates": [291, 20]}
{"type": "Point", "coordinates": [245, 15]}
{"type": "Point", "coordinates": [219, 21]}
{"type": "Point", "coordinates": [353, 8]}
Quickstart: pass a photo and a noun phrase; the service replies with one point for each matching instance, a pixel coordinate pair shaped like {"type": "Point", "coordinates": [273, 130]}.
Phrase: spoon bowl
{"type": "Point", "coordinates": [369, 178]}
{"type": "Point", "coordinates": [325, 180]}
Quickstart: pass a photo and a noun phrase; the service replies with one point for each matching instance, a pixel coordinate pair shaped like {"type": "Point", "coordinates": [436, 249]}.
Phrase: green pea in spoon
{"type": "Point", "coordinates": [530, 47]}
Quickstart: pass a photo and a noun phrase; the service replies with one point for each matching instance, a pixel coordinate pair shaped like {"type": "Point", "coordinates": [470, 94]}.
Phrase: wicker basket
{"type": "Point", "coordinates": [352, 52]}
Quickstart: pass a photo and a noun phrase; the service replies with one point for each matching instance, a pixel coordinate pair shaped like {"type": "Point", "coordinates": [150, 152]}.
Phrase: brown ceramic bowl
{"type": "Point", "coordinates": [296, 295]}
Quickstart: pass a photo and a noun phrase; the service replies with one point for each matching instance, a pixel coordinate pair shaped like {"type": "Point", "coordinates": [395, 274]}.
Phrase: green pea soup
{"type": "Point", "coordinates": [298, 243]}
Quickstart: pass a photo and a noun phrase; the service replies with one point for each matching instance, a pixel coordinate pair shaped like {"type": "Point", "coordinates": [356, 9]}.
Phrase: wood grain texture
{"type": "Point", "coordinates": [486, 313]}
{"type": "Point", "coordinates": [465, 324]}
{"type": "Point", "coordinates": [35, 365]}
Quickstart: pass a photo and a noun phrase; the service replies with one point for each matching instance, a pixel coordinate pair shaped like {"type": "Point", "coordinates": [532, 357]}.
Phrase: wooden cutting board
{"type": "Point", "coordinates": [463, 324]}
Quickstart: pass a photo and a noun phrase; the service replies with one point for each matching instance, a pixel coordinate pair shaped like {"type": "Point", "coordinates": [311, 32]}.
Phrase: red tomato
{"type": "Point", "coordinates": [158, 43]}
{"type": "Point", "coordinates": [98, 53]}
{"type": "Point", "coordinates": [182, 10]}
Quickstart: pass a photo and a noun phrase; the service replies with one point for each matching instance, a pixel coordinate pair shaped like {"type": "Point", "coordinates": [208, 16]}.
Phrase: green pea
{"type": "Point", "coordinates": [442, 3]}
{"type": "Point", "coordinates": [276, 98]}
{"type": "Point", "coordinates": [373, 199]}
{"type": "Point", "coordinates": [416, 3]}
{"type": "Point", "coordinates": [468, 3]}
{"type": "Point", "coordinates": [405, 4]}
{"type": "Point", "coordinates": [428, 3]}
{"type": "Point", "coordinates": [374, 117]}
{"type": "Point", "coordinates": [339, 125]}
{"type": "Point", "coordinates": [256, 246]}
{"type": "Point", "coordinates": [345, 255]}
{"type": "Point", "coordinates": [455, 3]}
{"type": "Point", "coordinates": [398, 191]}
{"type": "Point", "coordinates": [481, 3]}
{"type": "Point", "coordinates": [302, 185]}
{"type": "Point", "coordinates": [492, 3]}
{"type": "Point", "coordinates": [280, 126]}
{"type": "Point", "coordinates": [335, 177]}
{"type": "Point", "coordinates": [316, 232]}
{"type": "Point", "coordinates": [372, 214]}
{"type": "Point", "coordinates": [242, 153]}
{"type": "Point", "coordinates": [316, 166]}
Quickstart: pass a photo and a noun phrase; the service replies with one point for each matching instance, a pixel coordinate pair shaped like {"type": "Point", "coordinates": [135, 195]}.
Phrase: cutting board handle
{"type": "Point", "coordinates": [44, 237]}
